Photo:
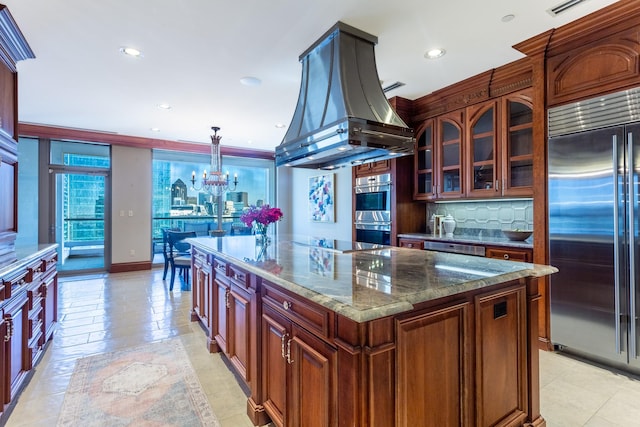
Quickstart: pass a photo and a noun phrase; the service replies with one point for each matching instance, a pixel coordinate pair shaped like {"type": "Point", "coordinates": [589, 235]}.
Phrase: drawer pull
{"type": "Point", "coordinates": [286, 305]}
{"type": "Point", "coordinates": [9, 334]}
{"type": "Point", "coordinates": [289, 360]}
{"type": "Point", "coordinates": [226, 299]}
{"type": "Point", "coordinates": [506, 256]}
{"type": "Point", "coordinates": [409, 245]}
{"type": "Point", "coordinates": [282, 340]}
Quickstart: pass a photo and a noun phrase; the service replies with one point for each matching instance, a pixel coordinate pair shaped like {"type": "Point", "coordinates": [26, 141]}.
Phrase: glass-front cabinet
{"type": "Point", "coordinates": [518, 145]}
{"type": "Point", "coordinates": [482, 150]}
{"type": "Point", "coordinates": [424, 188]}
{"type": "Point", "coordinates": [449, 155]}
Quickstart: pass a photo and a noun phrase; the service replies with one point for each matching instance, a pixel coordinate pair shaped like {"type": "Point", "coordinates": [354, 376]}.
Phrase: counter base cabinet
{"type": "Point", "coordinates": [468, 359]}
{"type": "Point", "coordinates": [299, 374]}
{"type": "Point", "coordinates": [28, 316]}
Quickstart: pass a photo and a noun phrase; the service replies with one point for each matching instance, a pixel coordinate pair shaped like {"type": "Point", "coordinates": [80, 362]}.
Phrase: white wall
{"type": "Point", "coordinates": [131, 204]}
{"type": "Point", "coordinates": [293, 199]}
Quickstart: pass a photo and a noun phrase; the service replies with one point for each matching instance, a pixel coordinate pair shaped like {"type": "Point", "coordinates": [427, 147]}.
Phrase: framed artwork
{"type": "Point", "coordinates": [321, 198]}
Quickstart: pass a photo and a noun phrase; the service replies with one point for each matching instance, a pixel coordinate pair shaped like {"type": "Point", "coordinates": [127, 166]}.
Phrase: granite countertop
{"type": "Point", "coordinates": [367, 282]}
{"type": "Point", "coordinates": [475, 239]}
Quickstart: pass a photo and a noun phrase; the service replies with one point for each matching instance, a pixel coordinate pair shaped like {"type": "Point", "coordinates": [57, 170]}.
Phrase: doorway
{"type": "Point", "coordinates": [77, 218]}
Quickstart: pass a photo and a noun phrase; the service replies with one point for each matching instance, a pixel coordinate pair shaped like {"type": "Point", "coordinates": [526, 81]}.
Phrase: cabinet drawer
{"type": "Point", "coordinates": [36, 269]}
{"type": "Point", "coordinates": [308, 315]}
{"type": "Point", "coordinates": [411, 243]}
{"type": "Point", "coordinates": [11, 283]}
{"type": "Point", "coordinates": [511, 254]}
{"type": "Point", "coordinates": [201, 258]}
{"type": "Point", "coordinates": [238, 276]}
{"type": "Point", "coordinates": [220, 267]}
{"type": "Point", "coordinates": [50, 261]}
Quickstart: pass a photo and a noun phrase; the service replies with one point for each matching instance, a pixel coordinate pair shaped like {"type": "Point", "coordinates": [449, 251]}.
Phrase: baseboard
{"type": "Point", "coordinates": [130, 266]}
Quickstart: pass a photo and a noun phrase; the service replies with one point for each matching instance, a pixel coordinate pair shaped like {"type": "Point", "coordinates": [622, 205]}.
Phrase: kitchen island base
{"type": "Point", "coordinates": [469, 358]}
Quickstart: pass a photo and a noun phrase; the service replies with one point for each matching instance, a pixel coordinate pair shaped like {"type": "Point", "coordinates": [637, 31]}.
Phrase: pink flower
{"type": "Point", "coordinates": [263, 215]}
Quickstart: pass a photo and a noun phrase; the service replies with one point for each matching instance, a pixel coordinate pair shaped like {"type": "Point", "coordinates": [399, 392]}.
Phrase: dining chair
{"type": "Point", "coordinates": [179, 255]}
{"type": "Point", "coordinates": [165, 250]}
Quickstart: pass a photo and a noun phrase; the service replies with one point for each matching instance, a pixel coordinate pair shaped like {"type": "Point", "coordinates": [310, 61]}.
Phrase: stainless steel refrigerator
{"type": "Point", "coordinates": [594, 191]}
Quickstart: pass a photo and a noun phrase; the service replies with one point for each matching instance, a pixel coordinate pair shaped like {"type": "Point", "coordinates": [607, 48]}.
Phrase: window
{"type": "Point", "coordinates": [176, 204]}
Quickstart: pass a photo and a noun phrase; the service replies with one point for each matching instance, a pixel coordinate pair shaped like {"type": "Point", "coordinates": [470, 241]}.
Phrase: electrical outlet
{"type": "Point", "coordinates": [132, 252]}
{"type": "Point", "coordinates": [130, 213]}
{"type": "Point", "coordinates": [121, 213]}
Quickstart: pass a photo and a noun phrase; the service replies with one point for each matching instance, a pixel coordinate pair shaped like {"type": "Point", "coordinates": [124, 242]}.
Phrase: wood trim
{"type": "Point", "coordinates": [112, 138]}
{"type": "Point", "coordinates": [130, 266]}
{"type": "Point", "coordinates": [13, 45]}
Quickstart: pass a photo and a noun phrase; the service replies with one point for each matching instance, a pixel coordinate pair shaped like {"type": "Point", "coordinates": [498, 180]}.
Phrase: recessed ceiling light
{"type": "Point", "coordinates": [250, 81]}
{"type": "Point", "coordinates": [280, 125]}
{"type": "Point", "coordinates": [131, 51]}
{"type": "Point", "coordinates": [507, 18]}
{"type": "Point", "coordinates": [155, 129]}
{"type": "Point", "coordinates": [164, 106]}
{"type": "Point", "coordinates": [435, 53]}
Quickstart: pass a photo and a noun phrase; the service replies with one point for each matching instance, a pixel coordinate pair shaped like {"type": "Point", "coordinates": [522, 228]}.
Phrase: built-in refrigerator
{"type": "Point", "coordinates": [594, 192]}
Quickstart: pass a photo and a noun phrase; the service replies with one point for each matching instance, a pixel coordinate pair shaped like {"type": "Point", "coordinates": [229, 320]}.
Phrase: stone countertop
{"type": "Point", "coordinates": [369, 282]}
{"type": "Point", "coordinates": [478, 239]}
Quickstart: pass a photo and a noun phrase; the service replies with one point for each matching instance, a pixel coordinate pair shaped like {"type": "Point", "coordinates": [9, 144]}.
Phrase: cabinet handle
{"type": "Point", "coordinates": [9, 334]}
{"type": "Point", "coordinates": [289, 360]}
{"type": "Point", "coordinates": [286, 305]}
{"type": "Point", "coordinates": [506, 256]}
{"type": "Point", "coordinates": [226, 299]}
{"type": "Point", "coordinates": [409, 245]}
{"type": "Point", "coordinates": [282, 340]}
{"type": "Point", "coordinates": [497, 185]}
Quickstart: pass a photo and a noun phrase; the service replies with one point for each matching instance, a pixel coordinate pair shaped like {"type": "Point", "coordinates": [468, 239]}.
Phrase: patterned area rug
{"type": "Point", "coordinates": [150, 385]}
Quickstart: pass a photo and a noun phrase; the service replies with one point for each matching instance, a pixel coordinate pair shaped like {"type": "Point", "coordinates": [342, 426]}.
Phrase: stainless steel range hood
{"type": "Point", "coordinates": [343, 116]}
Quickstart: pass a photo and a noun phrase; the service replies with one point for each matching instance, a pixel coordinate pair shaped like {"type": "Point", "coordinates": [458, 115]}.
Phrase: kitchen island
{"type": "Point", "coordinates": [324, 332]}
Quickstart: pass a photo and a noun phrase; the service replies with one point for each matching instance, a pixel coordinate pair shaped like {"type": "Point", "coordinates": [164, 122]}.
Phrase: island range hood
{"type": "Point", "coordinates": [343, 116]}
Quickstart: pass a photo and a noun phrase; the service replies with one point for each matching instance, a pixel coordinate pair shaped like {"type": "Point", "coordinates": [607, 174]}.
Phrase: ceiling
{"type": "Point", "coordinates": [194, 53]}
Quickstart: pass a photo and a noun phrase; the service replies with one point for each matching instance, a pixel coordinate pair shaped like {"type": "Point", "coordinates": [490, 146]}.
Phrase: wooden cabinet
{"type": "Point", "coordinates": [299, 369]}
{"type": "Point", "coordinates": [373, 168]}
{"type": "Point", "coordinates": [512, 254]}
{"type": "Point", "coordinates": [403, 242]}
{"type": "Point", "coordinates": [17, 358]}
{"type": "Point", "coordinates": [232, 310]}
{"type": "Point", "coordinates": [201, 291]}
{"type": "Point", "coordinates": [13, 48]}
{"type": "Point", "coordinates": [424, 185]}
{"type": "Point", "coordinates": [448, 404]}
{"type": "Point", "coordinates": [449, 155]}
{"type": "Point", "coordinates": [500, 362]}
{"type": "Point", "coordinates": [484, 150]}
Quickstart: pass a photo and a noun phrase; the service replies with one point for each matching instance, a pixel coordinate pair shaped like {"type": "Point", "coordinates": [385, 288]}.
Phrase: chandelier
{"type": "Point", "coordinates": [215, 183]}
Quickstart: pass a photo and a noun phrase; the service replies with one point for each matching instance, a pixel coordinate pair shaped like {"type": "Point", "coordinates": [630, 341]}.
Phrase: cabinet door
{"type": "Point", "coordinates": [440, 371]}
{"type": "Point", "coordinates": [17, 359]}
{"type": "Point", "coordinates": [239, 331]}
{"type": "Point", "coordinates": [449, 154]}
{"type": "Point", "coordinates": [501, 362]}
{"type": "Point", "coordinates": [202, 274]}
{"type": "Point", "coordinates": [313, 380]}
{"type": "Point", "coordinates": [424, 188]}
{"type": "Point", "coordinates": [50, 293]}
{"type": "Point", "coordinates": [517, 170]}
{"type": "Point", "coordinates": [275, 335]}
{"type": "Point", "coordinates": [221, 305]}
{"type": "Point", "coordinates": [482, 150]}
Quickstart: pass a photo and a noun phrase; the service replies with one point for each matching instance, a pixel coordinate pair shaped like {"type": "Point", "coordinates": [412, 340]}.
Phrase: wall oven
{"type": "Point", "coordinates": [373, 209]}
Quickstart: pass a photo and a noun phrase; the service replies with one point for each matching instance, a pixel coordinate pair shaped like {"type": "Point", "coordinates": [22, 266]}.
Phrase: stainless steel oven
{"type": "Point", "coordinates": [373, 209]}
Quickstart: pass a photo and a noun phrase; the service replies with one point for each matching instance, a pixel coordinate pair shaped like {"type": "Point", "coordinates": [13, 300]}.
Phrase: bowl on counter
{"type": "Point", "coordinates": [517, 235]}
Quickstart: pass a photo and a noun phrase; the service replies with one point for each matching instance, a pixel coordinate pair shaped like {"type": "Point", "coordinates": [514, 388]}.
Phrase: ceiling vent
{"type": "Point", "coordinates": [392, 86]}
{"type": "Point", "coordinates": [563, 7]}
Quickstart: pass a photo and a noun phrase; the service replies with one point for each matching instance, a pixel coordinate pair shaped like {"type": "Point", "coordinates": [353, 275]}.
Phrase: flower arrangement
{"type": "Point", "coordinates": [260, 217]}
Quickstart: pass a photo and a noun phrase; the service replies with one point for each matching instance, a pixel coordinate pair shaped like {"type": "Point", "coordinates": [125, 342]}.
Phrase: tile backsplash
{"type": "Point", "coordinates": [487, 216]}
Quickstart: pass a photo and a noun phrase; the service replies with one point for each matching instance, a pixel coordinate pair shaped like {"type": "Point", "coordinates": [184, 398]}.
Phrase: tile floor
{"type": "Point", "coordinates": [104, 312]}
